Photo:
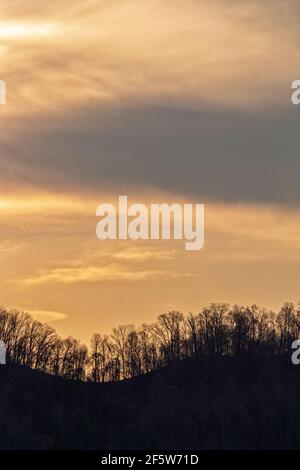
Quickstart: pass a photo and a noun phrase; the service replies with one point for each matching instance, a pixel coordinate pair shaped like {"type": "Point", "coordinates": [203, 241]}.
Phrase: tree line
{"type": "Point", "coordinates": [127, 352]}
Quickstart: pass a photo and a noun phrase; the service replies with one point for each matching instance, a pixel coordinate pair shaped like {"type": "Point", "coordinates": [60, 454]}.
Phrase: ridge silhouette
{"type": "Point", "coordinates": [214, 402]}
{"type": "Point", "coordinates": [221, 379]}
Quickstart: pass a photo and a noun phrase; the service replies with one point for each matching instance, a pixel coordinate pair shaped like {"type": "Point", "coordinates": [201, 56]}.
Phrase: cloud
{"type": "Point", "coordinates": [136, 254]}
{"type": "Point", "coordinates": [48, 316]}
{"type": "Point", "coordinates": [148, 52]}
{"type": "Point", "coordinates": [41, 315]}
{"type": "Point", "coordinates": [16, 31]}
{"type": "Point", "coordinates": [92, 274]}
{"type": "Point", "coordinates": [108, 263]}
{"type": "Point", "coordinates": [8, 248]}
{"type": "Point", "coordinates": [212, 155]}
{"type": "Point", "coordinates": [234, 234]}
{"type": "Point", "coordinates": [133, 93]}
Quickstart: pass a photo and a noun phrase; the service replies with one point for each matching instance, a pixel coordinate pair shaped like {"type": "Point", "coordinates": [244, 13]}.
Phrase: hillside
{"type": "Point", "coordinates": [218, 402]}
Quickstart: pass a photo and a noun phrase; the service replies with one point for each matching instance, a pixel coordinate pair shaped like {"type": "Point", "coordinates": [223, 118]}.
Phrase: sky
{"type": "Point", "coordinates": [164, 102]}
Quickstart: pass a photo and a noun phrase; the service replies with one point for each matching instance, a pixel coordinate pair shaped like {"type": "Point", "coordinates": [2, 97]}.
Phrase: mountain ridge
{"type": "Point", "coordinates": [209, 403]}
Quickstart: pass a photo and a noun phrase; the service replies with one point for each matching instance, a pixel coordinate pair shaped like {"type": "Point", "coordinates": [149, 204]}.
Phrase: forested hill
{"type": "Point", "coordinates": [131, 351]}
{"type": "Point", "coordinates": [198, 403]}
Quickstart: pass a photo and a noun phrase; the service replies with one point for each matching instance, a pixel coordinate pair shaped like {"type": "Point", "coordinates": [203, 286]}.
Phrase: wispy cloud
{"type": "Point", "coordinates": [8, 248]}
{"type": "Point", "coordinates": [48, 316]}
{"type": "Point", "coordinates": [92, 274]}
{"type": "Point", "coordinates": [15, 31]}
{"type": "Point", "coordinates": [136, 253]}
{"type": "Point", "coordinates": [147, 51]}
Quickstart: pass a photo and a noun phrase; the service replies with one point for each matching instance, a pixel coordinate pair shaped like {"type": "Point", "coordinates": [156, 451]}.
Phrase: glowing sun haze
{"type": "Point", "coordinates": [165, 102]}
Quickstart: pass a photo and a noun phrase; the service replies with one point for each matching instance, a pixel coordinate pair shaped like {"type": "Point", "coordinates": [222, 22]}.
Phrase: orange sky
{"type": "Point", "coordinates": [164, 103]}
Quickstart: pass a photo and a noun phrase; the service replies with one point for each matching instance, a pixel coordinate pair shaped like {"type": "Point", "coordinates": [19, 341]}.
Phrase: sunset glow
{"type": "Point", "coordinates": [23, 30]}
{"type": "Point", "coordinates": [164, 105]}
